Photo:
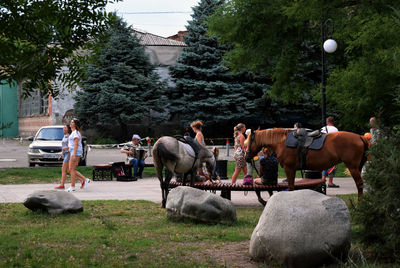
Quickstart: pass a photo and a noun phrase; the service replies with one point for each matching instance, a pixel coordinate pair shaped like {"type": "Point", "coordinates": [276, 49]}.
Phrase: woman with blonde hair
{"type": "Point", "coordinates": [239, 129]}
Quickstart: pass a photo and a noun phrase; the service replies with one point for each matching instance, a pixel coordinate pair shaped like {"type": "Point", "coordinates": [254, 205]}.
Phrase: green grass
{"type": "Point", "coordinates": [36, 175]}
{"type": "Point", "coordinates": [123, 233]}
{"type": "Point", "coordinates": [114, 233]}
{"type": "Point", "coordinates": [130, 234]}
{"type": "Point", "coordinates": [53, 174]}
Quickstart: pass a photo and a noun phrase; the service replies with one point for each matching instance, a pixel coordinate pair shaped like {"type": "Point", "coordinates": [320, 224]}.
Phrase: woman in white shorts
{"type": "Point", "coordinates": [75, 152]}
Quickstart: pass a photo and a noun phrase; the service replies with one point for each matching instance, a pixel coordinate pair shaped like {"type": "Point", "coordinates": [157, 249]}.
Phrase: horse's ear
{"type": "Point", "coordinates": [258, 128]}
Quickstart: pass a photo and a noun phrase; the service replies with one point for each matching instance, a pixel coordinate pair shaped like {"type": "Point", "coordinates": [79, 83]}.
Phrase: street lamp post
{"type": "Point", "coordinates": [328, 46]}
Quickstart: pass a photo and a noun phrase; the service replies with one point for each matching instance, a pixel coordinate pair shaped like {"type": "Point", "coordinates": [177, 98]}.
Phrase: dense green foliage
{"type": "Point", "coordinates": [121, 84]}
{"type": "Point", "coordinates": [205, 89]}
{"type": "Point", "coordinates": [378, 214]}
{"type": "Point", "coordinates": [282, 39]}
{"type": "Point", "coordinates": [36, 38]}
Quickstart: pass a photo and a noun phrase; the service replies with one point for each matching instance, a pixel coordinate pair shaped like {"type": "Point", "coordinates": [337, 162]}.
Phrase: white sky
{"type": "Point", "coordinates": [152, 17]}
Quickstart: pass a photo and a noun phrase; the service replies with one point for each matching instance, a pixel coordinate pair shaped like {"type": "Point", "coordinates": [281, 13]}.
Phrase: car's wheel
{"type": "Point", "coordinates": [31, 164]}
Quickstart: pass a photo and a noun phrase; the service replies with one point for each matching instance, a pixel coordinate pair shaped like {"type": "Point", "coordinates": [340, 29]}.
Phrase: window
{"type": "Point", "coordinates": [50, 134]}
{"type": "Point", "coordinates": [36, 104]}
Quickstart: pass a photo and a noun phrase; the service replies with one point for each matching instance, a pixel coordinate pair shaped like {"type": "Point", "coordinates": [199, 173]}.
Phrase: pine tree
{"type": "Point", "coordinates": [121, 84]}
{"type": "Point", "coordinates": [377, 216]}
{"type": "Point", "coordinates": [205, 88]}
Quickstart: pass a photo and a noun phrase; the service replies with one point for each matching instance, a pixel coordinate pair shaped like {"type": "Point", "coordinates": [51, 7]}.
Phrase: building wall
{"type": "Point", "coordinates": [8, 111]}
{"type": "Point", "coordinates": [179, 36]}
{"type": "Point", "coordinates": [62, 108]}
{"type": "Point", "coordinates": [163, 55]}
{"type": "Point", "coordinates": [34, 112]}
{"type": "Point", "coordinates": [29, 125]}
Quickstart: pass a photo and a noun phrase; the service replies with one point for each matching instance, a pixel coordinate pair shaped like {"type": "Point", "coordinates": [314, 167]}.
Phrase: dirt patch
{"type": "Point", "coordinates": [233, 254]}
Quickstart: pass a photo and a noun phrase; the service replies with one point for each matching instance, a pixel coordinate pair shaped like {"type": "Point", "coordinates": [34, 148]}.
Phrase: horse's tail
{"type": "Point", "coordinates": [157, 161]}
{"type": "Point", "coordinates": [364, 158]}
{"type": "Point", "coordinates": [164, 154]}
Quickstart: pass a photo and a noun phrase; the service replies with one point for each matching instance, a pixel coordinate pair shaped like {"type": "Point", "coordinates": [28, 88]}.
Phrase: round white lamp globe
{"type": "Point", "coordinates": [330, 46]}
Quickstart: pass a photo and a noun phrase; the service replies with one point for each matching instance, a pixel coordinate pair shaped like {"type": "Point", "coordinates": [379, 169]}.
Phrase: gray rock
{"type": "Point", "coordinates": [187, 202]}
{"type": "Point", "coordinates": [53, 202]}
{"type": "Point", "coordinates": [302, 229]}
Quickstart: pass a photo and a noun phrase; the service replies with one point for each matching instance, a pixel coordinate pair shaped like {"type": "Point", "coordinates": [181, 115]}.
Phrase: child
{"type": "Point", "coordinates": [268, 168]}
{"type": "Point", "coordinates": [215, 151]}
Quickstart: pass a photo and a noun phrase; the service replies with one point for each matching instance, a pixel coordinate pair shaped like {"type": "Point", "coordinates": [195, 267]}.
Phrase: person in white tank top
{"type": "Point", "coordinates": [330, 173]}
{"type": "Point", "coordinates": [75, 151]}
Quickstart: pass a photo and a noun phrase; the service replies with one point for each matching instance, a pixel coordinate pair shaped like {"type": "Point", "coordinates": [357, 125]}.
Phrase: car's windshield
{"type": "Point", "coordinates": [50, 134]}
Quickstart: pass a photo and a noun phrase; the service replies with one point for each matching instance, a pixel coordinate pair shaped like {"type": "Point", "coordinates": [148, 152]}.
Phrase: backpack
{"type": "Point", "coordinates": [248, 180]}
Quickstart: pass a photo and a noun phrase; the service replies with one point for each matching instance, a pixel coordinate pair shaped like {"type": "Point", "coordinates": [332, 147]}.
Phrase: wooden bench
{"type": "Point", "coordinates": [226, 188]}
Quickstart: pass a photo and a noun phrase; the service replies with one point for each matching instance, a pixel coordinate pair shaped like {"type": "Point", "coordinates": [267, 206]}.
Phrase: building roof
{"type": "Point", "coordinates": [148, 39]}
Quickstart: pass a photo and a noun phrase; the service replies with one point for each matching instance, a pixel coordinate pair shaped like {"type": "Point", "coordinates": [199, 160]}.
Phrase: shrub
{"type": "Point", "coordinates": [378, 213]}
{"type": "Point", "coordinates": [105, 141]}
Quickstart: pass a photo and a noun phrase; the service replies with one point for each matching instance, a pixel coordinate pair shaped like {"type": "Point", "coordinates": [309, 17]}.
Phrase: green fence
{"type": "Point", "coordinates": [8, 111]}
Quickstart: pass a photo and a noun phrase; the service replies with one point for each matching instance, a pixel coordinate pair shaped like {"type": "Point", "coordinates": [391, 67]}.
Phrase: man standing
{"type": "Point", "coordinates": [374, 130]}
{"type": "Point", "coordinates": [136, 155]}
{"type": "Point", "coordinates": [373, 135]}
{"type": "Point", "coordinates": [330, 173]}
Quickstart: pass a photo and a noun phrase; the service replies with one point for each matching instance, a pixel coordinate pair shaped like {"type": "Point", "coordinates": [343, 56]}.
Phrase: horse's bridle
{"type": "Point", "coordinates": [248, 150]}
{"type": "Point", "coordinates": [250, 159]}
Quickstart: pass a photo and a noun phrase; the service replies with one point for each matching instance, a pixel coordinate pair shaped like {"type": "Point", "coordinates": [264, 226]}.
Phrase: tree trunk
{"type": "Point", "coordinates": [124, 129]}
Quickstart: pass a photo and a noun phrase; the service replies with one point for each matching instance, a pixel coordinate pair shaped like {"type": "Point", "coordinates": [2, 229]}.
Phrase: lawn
{"type": "Point", "coordinates": [126, 233]}
{"type": "Point", "coordinates": [115, 234]}
{"type": "Point", "coordinates": [131, 234]}
{"type": "Point", "coordinates": [53, 174]}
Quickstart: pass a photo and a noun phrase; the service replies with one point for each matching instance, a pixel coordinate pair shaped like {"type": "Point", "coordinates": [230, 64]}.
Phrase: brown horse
{"type": "Point", "coordinates": [341, 146]}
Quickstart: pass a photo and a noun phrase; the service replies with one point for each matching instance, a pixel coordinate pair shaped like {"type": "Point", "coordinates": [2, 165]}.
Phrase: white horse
{"type": "Point", "coordinates": [178, 158]}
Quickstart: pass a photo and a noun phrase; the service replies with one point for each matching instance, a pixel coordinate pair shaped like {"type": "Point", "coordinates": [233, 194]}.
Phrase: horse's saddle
{"type": "Point", "coordinates": [304, 139]}
{"type": "Point", "coordinates": [191, 146]}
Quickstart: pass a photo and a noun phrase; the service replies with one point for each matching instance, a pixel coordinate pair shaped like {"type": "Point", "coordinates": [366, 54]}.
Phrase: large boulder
{"type": "Point", "coordinates": [187, 202]}
{"type": "Point", "coordinates": [53, 202]}
{"type": "Point", "coordinates": [302, 229]}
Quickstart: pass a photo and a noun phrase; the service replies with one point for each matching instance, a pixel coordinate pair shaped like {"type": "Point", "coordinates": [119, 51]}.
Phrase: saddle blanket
{"type": "Point", "coordinates": [189, 149]}
{"type": "Point", "coordinates": [291, 141]}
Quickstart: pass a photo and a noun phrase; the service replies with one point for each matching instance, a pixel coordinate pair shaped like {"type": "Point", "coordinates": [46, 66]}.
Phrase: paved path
{"type": "Point", "coordinates": [13, 153]}
{"type": "Point", "coordinates": [143, 189]}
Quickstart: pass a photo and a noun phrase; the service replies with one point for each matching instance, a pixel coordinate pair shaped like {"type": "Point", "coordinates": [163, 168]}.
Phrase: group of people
{"type": "Point", "coordinates": [268, 172]}
{"type": "Point", "coordinates": [71, 153]}
{"type": "Point", "coordinates": [268, 168]}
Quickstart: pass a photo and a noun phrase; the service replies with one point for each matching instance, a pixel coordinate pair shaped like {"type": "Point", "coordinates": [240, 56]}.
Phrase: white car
{"type": "Point", "coordinates": [45, 148]}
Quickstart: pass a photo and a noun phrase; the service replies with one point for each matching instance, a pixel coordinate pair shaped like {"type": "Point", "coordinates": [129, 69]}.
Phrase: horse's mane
{"type": "Point", "coordinates": [272, 136]}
